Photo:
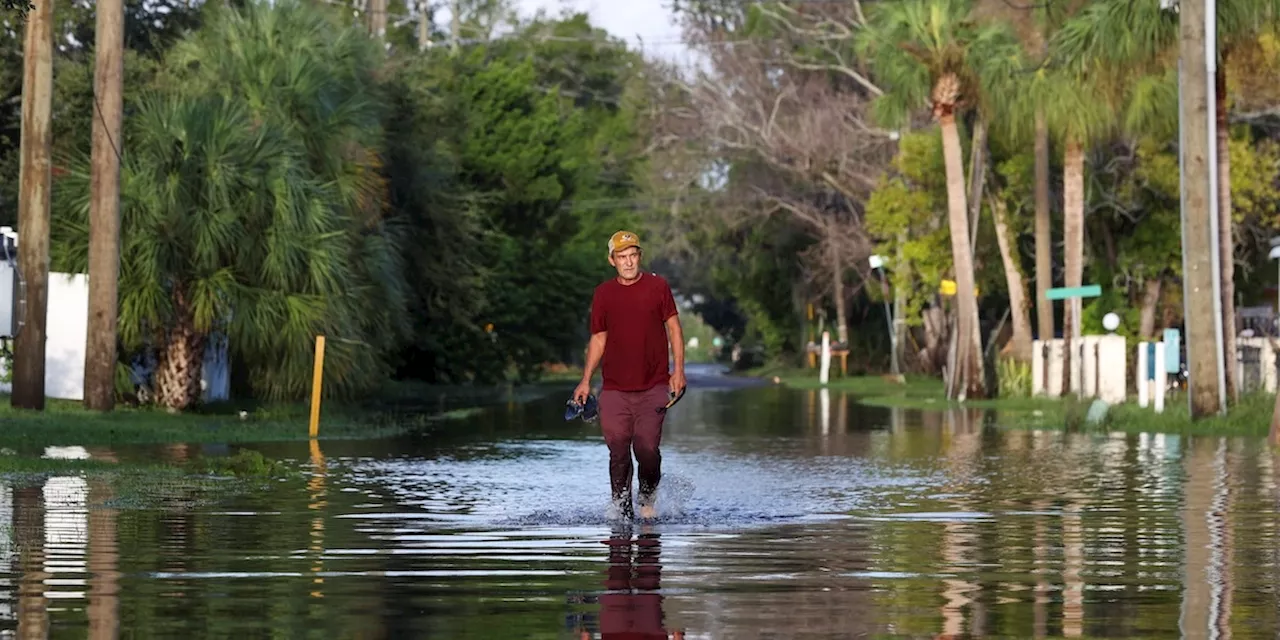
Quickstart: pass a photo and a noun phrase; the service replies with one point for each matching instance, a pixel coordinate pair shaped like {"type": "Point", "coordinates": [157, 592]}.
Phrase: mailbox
{"type": "Point", "coordinates": [10, 286]}
{"type": "Point", "coordinates": [1173, 351]}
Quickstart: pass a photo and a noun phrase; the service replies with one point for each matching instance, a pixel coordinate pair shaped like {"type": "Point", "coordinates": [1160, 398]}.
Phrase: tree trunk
{"type": "Point", "coordinates": [1150, 300]}
{"type": "Point", "coordinates": [1201, 337]}
{"type": "Point", "coordinates": [30, 531]}
{"type": "Point", "coordinates": [977, 180]}
{"type": "Point", "coordinates": [935, 337]}
{"type": "Point", "coordinates": [103, 564]}
{"type": "Point", "coordinates": [1227, 246]}
{"type": "Point", "coordinates": [1109, 244]}
{"type": "Point", "coordinates": [837, 296]}
{"type": "Point", "coordinates": [33, 207]}
{"type": "Point", "coordinates": [1020, 312]}
{"type": "Point", "coordinates": [1073, 247]}
{"type": "Point", "coordinates": [1044, 231]}
{"type": "Point", "coordinates": [424, 25]}
{"type": "Point", "coordinates": [900, 303]}
{"type": "Point", "coordinates": [969, 350]}
{"type": "Point", "coordinates": [104, 210]}
{"type": "Point", "coordinates": [378, 19]}
{"type": "Point", "coordinates": [178, 370]}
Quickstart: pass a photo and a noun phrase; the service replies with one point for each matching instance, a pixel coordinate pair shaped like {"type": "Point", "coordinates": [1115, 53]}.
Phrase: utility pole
{"type": "Point", "coordinates": [424, 25]}
{"type": "Point", "coordinates": [455, 25]}
{"type": "Point", "coordinates": [1211, 93]}
{"type": "Point", "coordinates": [104, 208]}
{"type": "Point", "coordinates": [33, 206]}
{"type": "Point", "coordinates": [378, 19]}
{"type": "Point", "coordinates": [1200, 288]}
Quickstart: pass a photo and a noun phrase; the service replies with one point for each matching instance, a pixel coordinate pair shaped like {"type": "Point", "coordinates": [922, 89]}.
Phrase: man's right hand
{"type": "Point", "coordinates": [580, 394]}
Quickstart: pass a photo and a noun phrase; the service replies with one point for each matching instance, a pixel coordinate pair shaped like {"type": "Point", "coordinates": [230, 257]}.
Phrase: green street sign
{"type": "Point", "coordinates": [1066, 293]}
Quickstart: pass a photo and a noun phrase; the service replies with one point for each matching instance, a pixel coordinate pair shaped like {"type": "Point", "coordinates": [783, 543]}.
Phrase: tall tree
{"type": "Point", "coordinates": [1007, 202]}
{"type": "Point", "coordinates": [1079, 114]}
{"type": "Point", "coordinates": [816, 136]}
{"type": "Point", "coordinates": [34, 207]}
{"type": "Point", "coordinates": [1120, 32]}
{"type": "Point", "coordinates": [104, 208]}
{"type": "Point", "coordinates": [1035, 23]}
{"type": "Point", "coordinates": [253, 208]}
{"type": "Point", "coordinates": [932, 52]}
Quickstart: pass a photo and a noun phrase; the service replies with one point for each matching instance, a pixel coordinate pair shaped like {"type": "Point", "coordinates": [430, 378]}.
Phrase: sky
{"type": "Point", "coordinates": [631, 20]}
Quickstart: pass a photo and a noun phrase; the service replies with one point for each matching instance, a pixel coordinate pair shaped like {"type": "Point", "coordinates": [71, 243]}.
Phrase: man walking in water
{"type": "Point", "coordinates": [633, 316]}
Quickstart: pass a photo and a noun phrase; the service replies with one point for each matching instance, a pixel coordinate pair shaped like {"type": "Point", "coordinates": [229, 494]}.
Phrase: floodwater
{"type": "Point", "coordinates": [784, 514]}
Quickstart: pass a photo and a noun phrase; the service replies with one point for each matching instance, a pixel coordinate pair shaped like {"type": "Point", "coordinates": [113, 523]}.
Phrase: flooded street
{"type": "Point", "coordinates": [783, 514]}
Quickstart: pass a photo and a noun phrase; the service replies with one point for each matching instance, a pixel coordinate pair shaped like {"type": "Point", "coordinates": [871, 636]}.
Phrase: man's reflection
{"type": "Point", "coordinates": [631, 606]}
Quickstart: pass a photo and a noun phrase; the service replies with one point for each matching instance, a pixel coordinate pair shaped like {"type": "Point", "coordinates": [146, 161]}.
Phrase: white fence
{"type": "Point", "coordinates": [1098, 368]}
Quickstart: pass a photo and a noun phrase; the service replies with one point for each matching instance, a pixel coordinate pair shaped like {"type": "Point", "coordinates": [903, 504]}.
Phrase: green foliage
{"type": "Point", "coordinates": [1013, 378]}
{"type": "Point", "coordinates": [1017, 173]}
{"type": "Point", "coordinates": [1151, 246]}
{"type": "Point", "coordinates": [907, 213]}
{"type": "Point", "coordinates": [150, 27]}
{"type": "Point", "coordinates": [1255, 192]}
{"type": "Point", "coordinates": [766, 257]}
{"type": "Point", "coordinates": [913, 43]}
{"type": "Point", "coordinates": [245, 462]}
{"type": "Point", "coordinates": [284, 178]}
{"type": "Point", "coordinates": [251, 203]}
{"type": "Point", "coordinates": [1112, 300]}
{"type": "Point", "coordinates": [524, 160]}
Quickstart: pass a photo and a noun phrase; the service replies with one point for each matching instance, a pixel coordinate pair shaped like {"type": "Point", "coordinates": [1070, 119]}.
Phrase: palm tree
{"type": "Point", "coordinates": [932, 52]}
{"type": "Point", "coordinates": [1034, 25]}
{"type": "Point", "coordinates": [1127, 33]}
{"type": "Point", "coordinates": [1079, 114]}
{"type": "Point", "coordinates": [251, 207]}
{"type": "Point", "coordinates": [303, 69]}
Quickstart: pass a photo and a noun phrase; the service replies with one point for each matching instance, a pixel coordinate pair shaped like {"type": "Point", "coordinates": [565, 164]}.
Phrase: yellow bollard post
{"type": "Point", "coordinates": [316, 379]}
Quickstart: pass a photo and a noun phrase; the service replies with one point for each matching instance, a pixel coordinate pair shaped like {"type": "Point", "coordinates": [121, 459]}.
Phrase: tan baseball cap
{"type": "Point", "coordinates": [623, 240]}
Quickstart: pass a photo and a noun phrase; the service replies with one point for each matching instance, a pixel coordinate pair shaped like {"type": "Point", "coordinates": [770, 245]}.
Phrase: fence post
{"type": "Point", "coordinates": [317, 377]}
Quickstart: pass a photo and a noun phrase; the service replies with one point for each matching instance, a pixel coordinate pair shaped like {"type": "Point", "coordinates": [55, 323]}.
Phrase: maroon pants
{"type": "Point", "coordinates": [630, 420]}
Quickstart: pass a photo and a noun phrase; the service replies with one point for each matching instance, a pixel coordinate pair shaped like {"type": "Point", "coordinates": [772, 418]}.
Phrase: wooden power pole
{"type": "Point", "coordinates": [378, 19]}
{"type": "Point", "coordinates": [424, 25]}
{"type": "Point", "coordinates": [33, 206]}
{"type": "Point", "coordinates": [104, 208]}
{"type": "Point", "coordinates": [455, 25]}
{"type": "Point", "coordinates": [1197, 238]}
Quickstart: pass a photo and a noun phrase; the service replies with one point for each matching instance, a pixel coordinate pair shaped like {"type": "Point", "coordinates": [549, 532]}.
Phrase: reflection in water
{"type": "Point", "coordinates": [104, 578]}
{"type": "Point", "coordinates": [631, 604]}
{"type": "Point", "coordinates": [317, 503]}
{"type": "Point", "coordinates": [33, 619]}
{"type": "Point", "coordinates": [806, 515]}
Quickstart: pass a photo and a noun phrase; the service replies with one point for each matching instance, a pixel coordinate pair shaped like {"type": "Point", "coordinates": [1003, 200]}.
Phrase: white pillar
{"type": "Point", "coordinates": [1160, 378]}
{"type": "Point", "coordinates": [1144, 389]}
{"type": "Point", "coordinates": [1038, 364]}
{"type": "Point", "coordinates": [824, 371]}
{"type": "Point", "coordinates": [824, 399]}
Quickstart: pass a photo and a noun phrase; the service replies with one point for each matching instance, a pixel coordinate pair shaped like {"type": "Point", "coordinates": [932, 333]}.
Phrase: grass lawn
{"type": "Point", "coordinates": [914, 392]}
{"type": "Point", "coordinates": [1250, 417]}
{"type": "Point", "coordinates": [400, 408]}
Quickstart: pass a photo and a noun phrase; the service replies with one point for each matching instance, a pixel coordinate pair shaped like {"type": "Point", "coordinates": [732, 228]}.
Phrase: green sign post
{"type": "Point", "coordinates": [1068, 293]}
{"type": "Point", "coordinates": [1072, 296]}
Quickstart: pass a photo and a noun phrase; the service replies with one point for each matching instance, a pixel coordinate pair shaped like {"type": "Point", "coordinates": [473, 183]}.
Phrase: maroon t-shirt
{"type": "Point", "coordinates": [635, 353]}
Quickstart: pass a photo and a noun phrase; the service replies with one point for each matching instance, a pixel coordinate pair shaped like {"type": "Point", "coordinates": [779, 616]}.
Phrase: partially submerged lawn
{"type": "Point", "coordinates": [1250, 417]}
{"type": "Point", "coordinates": [400, 408]}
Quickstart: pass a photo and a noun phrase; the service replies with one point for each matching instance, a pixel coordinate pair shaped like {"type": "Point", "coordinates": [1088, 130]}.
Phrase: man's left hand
{"type": "Point", "coordinates": [677, 382]}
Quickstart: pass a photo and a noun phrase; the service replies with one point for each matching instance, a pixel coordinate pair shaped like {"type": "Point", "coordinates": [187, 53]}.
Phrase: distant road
{"type": "Point", "coordinates": [716, 376]}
